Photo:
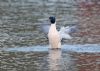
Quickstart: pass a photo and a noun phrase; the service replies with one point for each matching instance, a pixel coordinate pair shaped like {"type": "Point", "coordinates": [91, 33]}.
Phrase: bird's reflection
{"type": "Point", "coordinates": [54, 59]}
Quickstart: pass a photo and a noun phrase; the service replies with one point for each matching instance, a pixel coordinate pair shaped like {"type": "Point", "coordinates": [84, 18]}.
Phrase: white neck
{"type": "Point", "coordinates": [53, 27]}
{"type": "Point", "coordinates": [53, 24]}
{"type": "Point", "coordinates": [54, 37]}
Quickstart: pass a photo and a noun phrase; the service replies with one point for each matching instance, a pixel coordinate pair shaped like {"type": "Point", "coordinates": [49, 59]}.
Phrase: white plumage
{"type": "Point", "coordinates": [64, 33]}
{"type": "Point", "coordinates": [54, 37]}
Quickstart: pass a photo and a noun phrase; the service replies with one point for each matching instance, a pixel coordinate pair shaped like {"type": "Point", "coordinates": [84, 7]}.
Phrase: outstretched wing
{"type": "Point", "coordinates": [71, 29]}
{"type": "Point", "coordinates": [63, 34]}
{"type": "Point", "coordinates": [66, 31]}
{"type": "Point", "coordinates": [44, 27]}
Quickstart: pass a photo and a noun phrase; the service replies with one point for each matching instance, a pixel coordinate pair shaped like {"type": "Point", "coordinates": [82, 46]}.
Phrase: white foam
{"type": "Point", "coordinates": [89, 48]}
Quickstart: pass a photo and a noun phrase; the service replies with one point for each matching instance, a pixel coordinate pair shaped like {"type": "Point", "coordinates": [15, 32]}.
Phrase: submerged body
{"type": "Point", "coordinates": [54, 37]}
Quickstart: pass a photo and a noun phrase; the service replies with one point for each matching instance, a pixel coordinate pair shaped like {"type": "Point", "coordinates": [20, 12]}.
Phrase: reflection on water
{"type": "Point", "coordinates": [55, 60]}
{"type": "Point", "coordinates": [40, 58]}
{"type": "Point", "coordinates": [59, 61]}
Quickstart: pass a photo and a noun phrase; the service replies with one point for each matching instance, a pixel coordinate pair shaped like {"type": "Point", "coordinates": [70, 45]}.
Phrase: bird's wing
{"type": "Point", "coordinates": [71, 29]}
{"type": "Point", "coordinates": [66, 31]}
{"type": "Point", "coordinates": [63, 33]}
{"type": "Point", "coordinates": [44, 27]}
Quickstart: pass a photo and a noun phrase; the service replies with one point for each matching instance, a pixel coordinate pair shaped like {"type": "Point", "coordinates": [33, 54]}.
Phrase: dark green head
{"type": "Point", "coordinates": [52, 19]}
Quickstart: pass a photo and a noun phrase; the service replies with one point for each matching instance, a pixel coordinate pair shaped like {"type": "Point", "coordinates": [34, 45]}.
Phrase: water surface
{"type": "Point", "coordinates": [21, 19]}
{"type": "Point", "coordinates": [42, 58]}
{"type": "Point", "coordinates": [23, 47]}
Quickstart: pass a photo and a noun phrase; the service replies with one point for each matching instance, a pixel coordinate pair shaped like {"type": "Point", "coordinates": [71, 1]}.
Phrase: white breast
{"type": "Point", "coordinates": [54, 37]}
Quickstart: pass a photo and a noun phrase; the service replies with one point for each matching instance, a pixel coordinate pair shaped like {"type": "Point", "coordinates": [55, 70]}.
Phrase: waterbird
{"type": "Point", "coordinates": [54, 35]}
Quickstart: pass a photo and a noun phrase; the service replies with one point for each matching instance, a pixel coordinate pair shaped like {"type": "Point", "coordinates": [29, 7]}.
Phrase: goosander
{"type": "Point", "coordinates": [55, 36]}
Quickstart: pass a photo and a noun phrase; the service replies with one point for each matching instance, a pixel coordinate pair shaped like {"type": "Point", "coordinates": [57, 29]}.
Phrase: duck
{"type": "Point", "coordinates": [54, 36]}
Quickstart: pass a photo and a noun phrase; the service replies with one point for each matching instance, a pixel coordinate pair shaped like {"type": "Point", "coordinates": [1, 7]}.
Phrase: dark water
{"type": "Point", "coordinates": [20, 26]}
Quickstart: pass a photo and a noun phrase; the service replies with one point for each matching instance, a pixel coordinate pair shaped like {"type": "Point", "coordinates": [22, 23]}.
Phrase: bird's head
{"type": "Point", "coordinates": [52, 19]}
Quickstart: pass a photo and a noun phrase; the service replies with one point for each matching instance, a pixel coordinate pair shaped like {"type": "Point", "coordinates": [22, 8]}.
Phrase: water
{"type": "Point", "coordinates": [86, 48]}
{"type": "Point", "coordinates": [20, 20]}
{"type": "Point", "coordinates": [42, 58]}
{"type": "Point", "coordinates": [23, 47]}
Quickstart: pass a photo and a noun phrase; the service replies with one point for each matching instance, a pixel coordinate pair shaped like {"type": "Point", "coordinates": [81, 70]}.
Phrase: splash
{"type": "Point", "coordinates": [89, 48]}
